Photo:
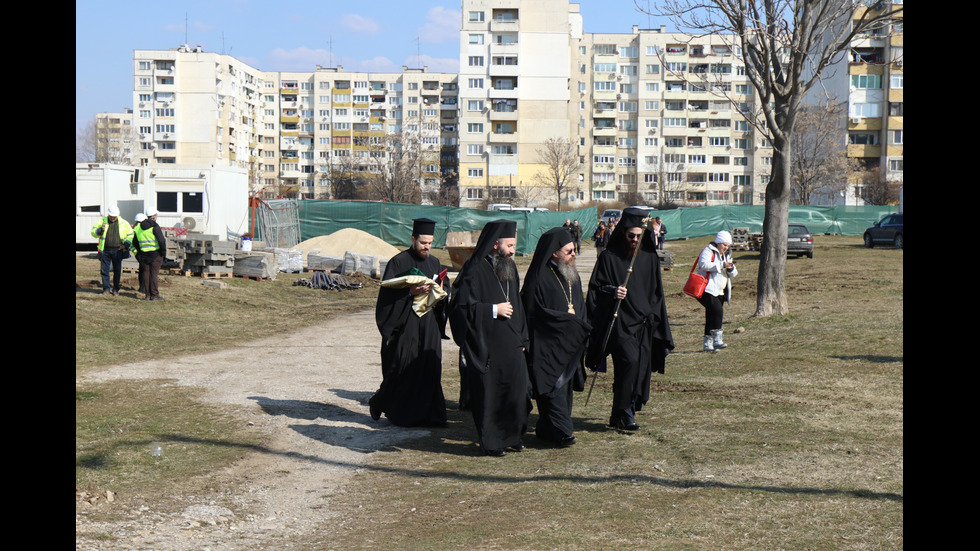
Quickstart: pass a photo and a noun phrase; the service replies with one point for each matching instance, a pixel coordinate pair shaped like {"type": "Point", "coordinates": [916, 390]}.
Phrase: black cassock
{"type": "Point", "coordinates": [491, 353]}
{"type": "Point", "coordinates": [640, 339]}
{"type": "Point", "coordinates": [411, 349]}
{"type": "Point", "coordinates": [558, 340]}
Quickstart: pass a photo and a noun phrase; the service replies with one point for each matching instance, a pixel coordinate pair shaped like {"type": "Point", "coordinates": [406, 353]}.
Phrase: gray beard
{"type": "Point", "coordinates": [504, 268]}
{"type": "Point", "coordinates": [568, 271]}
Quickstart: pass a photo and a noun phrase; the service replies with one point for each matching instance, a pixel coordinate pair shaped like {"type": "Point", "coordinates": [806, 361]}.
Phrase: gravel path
{"type": "Point", "coordinates": [308, 391]}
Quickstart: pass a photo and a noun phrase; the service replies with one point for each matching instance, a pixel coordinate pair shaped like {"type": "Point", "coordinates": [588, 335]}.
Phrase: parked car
{"type": "Point", "coordinates": [610, 213]}
{"type": "Point", "coordinates": [799, 241]}
{"type": "Point", "coordinates": [890, 230]}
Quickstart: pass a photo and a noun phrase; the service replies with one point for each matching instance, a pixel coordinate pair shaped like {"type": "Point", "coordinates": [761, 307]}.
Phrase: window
{"type": "Point", "coordinates": [871, 110]}
{"type": "Point", "coordinates": [476, 83]}
{"type": "Point", "coordinates": [896, 165]}
{"type": "Point", "coordinates": [605, 86]}
{"type": "Point", "coordinates": [474, 172]}
{"type": "Point", "coordinates": [864, 82]}
{"type": "Point", "coordinates": [652, 69]}
{"type": "Point", "coordinates": [474, 149]}
{"type": "Point", "coordinates": [862, 138]}
{"type": "Point", "coordinates": [476, 17]}
{"type": "Point", "coordinates": [898, 80]}
{"type": "Point", "coordinates": [504, 150]}
{"type": "Point", "coordinates": [476, 38]}
{"type": "Point", "coordinates": [474, 127]}
{"type": "Point", "coordinates": [474, 105]}
{"type": "Point", "coordinates": [476, 61]}
{"type": "Point", "coordinates": [896, 137]}
{"type": "Point", "coordinates": [604, 67]}
{"type": "Point", "coordinates": [474, 193]}
{"type": "Point", "coordinates": [717, 141]}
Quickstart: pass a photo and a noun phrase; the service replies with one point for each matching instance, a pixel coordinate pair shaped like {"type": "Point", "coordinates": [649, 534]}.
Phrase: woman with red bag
{"type": "Point", "coordinates": [716, 264]}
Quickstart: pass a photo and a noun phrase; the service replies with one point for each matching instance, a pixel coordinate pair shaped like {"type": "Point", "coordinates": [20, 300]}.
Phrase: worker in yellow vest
{"type": "Point", "coordinates": [151, 251]}
{"type": "Point", "coordinates": [115, 239]}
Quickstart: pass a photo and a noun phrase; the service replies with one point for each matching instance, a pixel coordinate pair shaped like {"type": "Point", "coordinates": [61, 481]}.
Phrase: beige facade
{"type": "Point", "coordinates": [289, 129]}
{"type": "Point", "coordinates": [655, 115]}
{"type": "Point", "coordinates": [114, 138]}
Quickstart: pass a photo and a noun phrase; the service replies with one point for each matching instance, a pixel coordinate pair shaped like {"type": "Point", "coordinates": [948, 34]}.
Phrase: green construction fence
{"type": "Point", "coordinates": [392, 222]}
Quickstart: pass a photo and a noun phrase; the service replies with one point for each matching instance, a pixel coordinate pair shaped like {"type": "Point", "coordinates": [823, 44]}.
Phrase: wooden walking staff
{"type": "Point", "coordinates": [645, 222]}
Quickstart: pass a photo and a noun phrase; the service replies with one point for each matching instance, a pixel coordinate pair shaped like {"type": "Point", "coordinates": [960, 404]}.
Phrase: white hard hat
{"type": "Point", "coordinates": [140, 217]}
{"type": "Point", "coordinates": [113, 211]}
{"type": "Point", "coordinates": [151, 213]}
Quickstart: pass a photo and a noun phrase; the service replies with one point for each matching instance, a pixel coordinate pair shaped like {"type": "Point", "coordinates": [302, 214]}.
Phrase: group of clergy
{"type": "Point", "coordinates": [521, 343]}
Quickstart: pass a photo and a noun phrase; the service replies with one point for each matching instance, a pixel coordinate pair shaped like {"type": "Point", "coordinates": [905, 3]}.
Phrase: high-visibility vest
{"type": "Point", "coordinates": [146, 239]}
{"type": "Point", "coordinates": [125, 231]}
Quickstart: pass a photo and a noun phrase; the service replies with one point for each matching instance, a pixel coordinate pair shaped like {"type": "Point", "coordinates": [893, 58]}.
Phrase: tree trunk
{"type": "Point", "coordinates": [771, 285]}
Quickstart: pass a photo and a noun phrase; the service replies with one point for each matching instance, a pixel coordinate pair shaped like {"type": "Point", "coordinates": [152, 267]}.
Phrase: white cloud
{"type": "Point", "coordinates": [442, 25]}
{"type": "Point", "coordinates": [360, 24]}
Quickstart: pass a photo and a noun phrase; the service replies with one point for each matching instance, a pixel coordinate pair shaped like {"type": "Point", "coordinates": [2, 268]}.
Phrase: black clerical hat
{"type": "Point", "coordinates": [424, 226]}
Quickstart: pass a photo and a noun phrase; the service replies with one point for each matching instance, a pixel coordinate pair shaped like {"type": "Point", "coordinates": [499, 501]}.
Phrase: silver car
{"type": "Point", "coordinates": [799, 241]}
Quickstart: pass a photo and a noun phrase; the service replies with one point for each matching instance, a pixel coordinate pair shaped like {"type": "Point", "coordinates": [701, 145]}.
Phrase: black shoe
{"type": "Point", "coordinates": [495, 453]}
{"type": "Point", "coordinates": [567, 441]}
{"type": "Point", "coordinates": [622, 423]}
{"type": "Point", "coordinates": [517, 448]}
{"type": "Point", "coordinates": [375, 410]}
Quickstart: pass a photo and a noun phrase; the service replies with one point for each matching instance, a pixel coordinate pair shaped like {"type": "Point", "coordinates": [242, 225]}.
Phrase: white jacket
{"type": "Point", "coordinates": [711, 264]}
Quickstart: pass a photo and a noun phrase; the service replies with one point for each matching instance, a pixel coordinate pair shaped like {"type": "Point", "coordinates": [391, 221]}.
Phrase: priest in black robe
{"type": "Point", "coordinates": [640, 338]}
{"type": "Point", "coordinates": [487, 320]}
{"type": "Point", "coordinates": [558, 330]}
{"type": "Point", "coordinates": [411, 345]}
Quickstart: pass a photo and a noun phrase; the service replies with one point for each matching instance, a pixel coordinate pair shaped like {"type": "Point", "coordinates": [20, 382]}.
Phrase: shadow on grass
{"type": "Point", "coordinates": [873, 359]}
{"type": "Point", "coordinates": [456, 438]}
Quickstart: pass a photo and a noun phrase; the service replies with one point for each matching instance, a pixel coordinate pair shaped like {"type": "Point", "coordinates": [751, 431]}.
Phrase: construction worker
{"type": "Point", "coordinates": [115, 238]}
{"type": "Point", "coordinates": [136, 221]}
{"type": "Point", "coordinates": [151, 251]}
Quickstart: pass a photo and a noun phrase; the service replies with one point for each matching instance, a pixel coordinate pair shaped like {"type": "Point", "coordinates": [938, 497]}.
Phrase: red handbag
{"type": "Point", "coordinates": [695, 283]}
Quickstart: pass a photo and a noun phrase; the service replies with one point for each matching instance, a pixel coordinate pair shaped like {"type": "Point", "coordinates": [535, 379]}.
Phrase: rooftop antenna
{"type": "Point", "coordinates": [185, 28]}
{"type": "Point", "coordinates": [418, 49]}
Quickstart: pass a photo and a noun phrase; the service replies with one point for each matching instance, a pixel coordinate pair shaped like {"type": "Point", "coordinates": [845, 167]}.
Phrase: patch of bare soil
{"type": "Point", "coordinates": [308, 391]}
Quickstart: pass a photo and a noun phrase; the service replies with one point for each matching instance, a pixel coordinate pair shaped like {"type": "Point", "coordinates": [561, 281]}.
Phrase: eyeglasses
{"type": "Point", "coordinates": [634, 236]}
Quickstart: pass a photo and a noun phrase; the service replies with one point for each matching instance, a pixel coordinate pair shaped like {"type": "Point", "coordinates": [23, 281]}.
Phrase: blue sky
{"type": "Point", "coordinates": [378, 35]}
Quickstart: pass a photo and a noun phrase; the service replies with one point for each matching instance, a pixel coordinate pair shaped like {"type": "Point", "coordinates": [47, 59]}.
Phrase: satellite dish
{"type": "Point", "coordinates": [189, 222]}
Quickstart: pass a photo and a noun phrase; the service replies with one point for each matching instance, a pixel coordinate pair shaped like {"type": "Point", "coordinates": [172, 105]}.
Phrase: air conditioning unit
{"type": "Point", "coordinates": [856, 120]}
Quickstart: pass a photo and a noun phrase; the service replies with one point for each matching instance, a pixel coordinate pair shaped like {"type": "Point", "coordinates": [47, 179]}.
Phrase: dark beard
{"type": "Point", "coordinates": [504, 267]}
{"type": "Point", "coordinates": [568, 271]}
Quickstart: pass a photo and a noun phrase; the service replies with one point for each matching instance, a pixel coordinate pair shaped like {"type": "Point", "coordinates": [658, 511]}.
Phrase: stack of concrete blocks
{"type": "Point", "coordinates": [317, 261]}
{"type": "Point", "coordinates": [289, 260]}
{"type": "Point", "coordinates": [207, 255]}
{"type": "Point", "coordinates": [256, 264]}
{"type": "Point", "coordinates": [740, 239]}
{"type": "Point", "coordinates": [366, 264]}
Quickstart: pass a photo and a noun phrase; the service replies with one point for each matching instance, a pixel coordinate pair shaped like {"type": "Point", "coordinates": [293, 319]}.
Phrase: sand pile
{"type": "Point", "coordinates": [348, 239]}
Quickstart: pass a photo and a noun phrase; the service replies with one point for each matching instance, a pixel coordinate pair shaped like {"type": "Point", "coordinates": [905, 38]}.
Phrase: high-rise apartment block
{"type": "Point", "coordinates": [113, 137]}
{"type": "Point", "coordinates": [654, 116]}
{"type": "Point", "coordinates": [291, 130]}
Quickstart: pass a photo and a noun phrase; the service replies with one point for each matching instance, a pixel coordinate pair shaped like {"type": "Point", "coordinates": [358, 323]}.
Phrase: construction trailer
{"type": "Point", "coordinates": [201, 199]}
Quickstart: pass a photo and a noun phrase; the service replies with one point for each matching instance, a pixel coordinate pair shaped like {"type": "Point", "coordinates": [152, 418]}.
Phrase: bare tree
{"type": "Point", "coordinates": [561, 166]}
{"type": "Point", "coordinates": [819, 151]}
{"type": "Point", "coordinates": [102, 142]}
{"type": "Point", "coordinates": [876, 189]}
{"type": "Point", "coordinates": [669, 180]}
{"type": "Point", "coordinates": [786, 46]}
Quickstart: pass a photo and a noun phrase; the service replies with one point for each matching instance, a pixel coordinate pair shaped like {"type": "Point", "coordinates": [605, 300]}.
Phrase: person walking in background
{"type": "Point", "coordinates": [715, 262]}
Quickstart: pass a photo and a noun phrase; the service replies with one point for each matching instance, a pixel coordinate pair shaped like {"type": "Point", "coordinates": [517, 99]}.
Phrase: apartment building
{"type": "Point", "coordinates": [874, 87]}
{"type": "Point", "coordinates": [291, 130]}
{"type": "Point", "coordinates": [655, 115]}
{"type": "Point", "coordinates": [515, 66]}
{"type": "Point", "coordinates": [114, 137]}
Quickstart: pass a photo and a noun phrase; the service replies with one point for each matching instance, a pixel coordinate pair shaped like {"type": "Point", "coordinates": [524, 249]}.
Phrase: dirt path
{"type": "Point", "coordinates": [308, 390]}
